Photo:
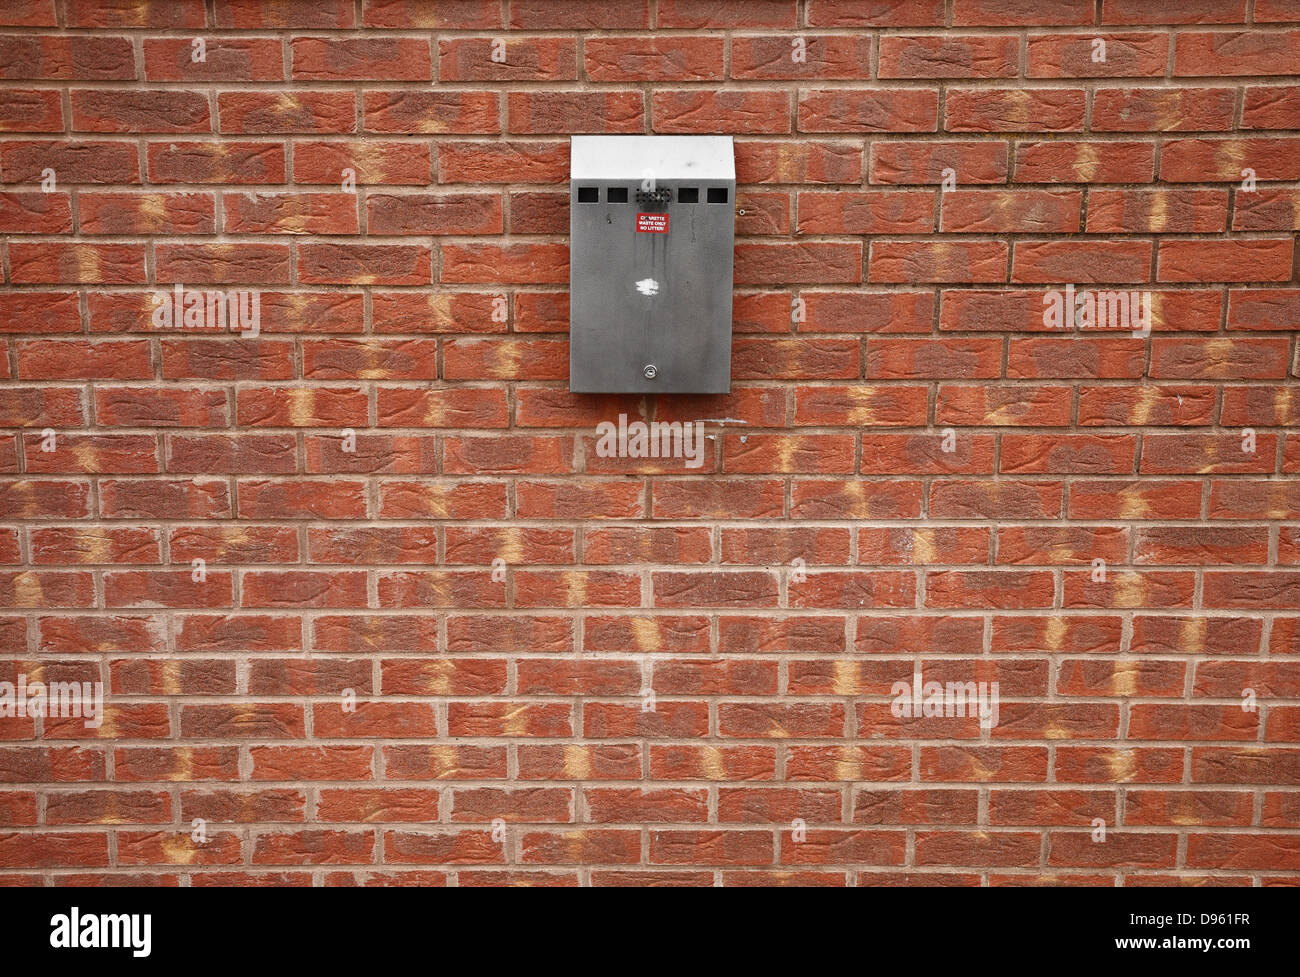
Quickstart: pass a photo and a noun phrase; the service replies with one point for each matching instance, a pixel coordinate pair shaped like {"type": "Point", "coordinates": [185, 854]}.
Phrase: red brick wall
{"type": "Point", "coordinates": [500, 731]}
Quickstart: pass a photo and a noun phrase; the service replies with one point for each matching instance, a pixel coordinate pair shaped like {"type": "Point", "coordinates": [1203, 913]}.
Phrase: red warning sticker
{"type": "Point", "coordinates": [652, 223]}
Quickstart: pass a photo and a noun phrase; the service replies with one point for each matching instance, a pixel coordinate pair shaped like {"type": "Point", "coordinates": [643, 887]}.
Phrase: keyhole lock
{"type": "Point", "coordinates": [650, 371]}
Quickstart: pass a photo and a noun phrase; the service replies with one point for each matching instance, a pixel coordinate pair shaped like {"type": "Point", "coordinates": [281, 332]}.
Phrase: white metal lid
{"type": "Point", "coordinates": [665, 157]}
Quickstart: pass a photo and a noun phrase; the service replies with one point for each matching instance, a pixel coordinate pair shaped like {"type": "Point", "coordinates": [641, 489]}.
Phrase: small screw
{"type": "Point", "coordinates": [650, 371]}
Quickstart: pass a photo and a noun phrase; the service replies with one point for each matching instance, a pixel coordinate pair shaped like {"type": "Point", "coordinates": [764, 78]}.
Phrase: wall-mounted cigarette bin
{"type": "Point", "coordinates": [652, 227]}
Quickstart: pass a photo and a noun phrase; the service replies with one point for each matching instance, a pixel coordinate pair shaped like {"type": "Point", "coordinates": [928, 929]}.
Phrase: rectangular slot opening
{"type": "Point", "coordinates": [588, 195]}
{"type": "Point", "coordinates": [617, 195]}
{"type": "Point", "coordinates": [717, 195]}
{"type": "Point", "coordinates": [688, 195]}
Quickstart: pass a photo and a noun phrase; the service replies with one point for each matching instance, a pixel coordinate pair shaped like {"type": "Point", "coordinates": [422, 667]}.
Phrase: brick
{"type": "Point", "coordinates": [857, 13]}
{"type": "Point", "coordinates": [456, 15]}
{"type": "Point", "coordinates": [371, 161]}
{"type": "Point", "coordinates": [946, 261]}
{"type": "Point", "coordinates": [361, 59]}
{"type": "Point", "coordinates": [1270, 107]}
{"type": "Point", "coordinates": [1236, 53]}
{"type": "Point", "coordinates": [959, 56]}
{"type": "Point", "coordinates": [80, 58]}
{"type": "Point", "coordinates": [1157, 211]}
{"type": "Point", "coordinates": [827, 56]}
{"type": "Point", "coordinates": [264, 113]}
{"type": "Point", "coordinates": [409, 214]}
{"type": "Point", "coordinates": [1191, 261]}
{"type": "Point", "coordinates": [36, 110]}
{"type": "Point", "coordinates": [728, 13]}
{"type": "Point", "coordinates": [740, 111]}
{"type": "Point", "coordinates": [1077, 56]}
{"type": "Point", "coordinates": [1011, 212]}
{"type": "Point", "coordinates": [1084, 162]}
{"type": "Point", "coordinates": [1163, 109]}
{"type": "Point", "coordinates": [205, 162]}
{"type": "Point", "coordinates": [534, 113]}
{"type": "Point", "coordinates": [795, 162]}
{"type": "Point", "coordinates": [893, 212]}
{"type": "Point", "coordinates": [994, 110]}
{"type": "Point", "coordinates": [522, 59]}
{"type": "Point", "coordinates": [398, 111]}
{"type": "Point", "coordinates": [147, 213]}
{"type": "Point", "coordinates": [225, 59]}
{"type": "Point", "coordinates": [158, 110]}
{"type": "Point", "coordinates": [1222, 160]}
{"type": "Point", "coordinates": [842, 110]}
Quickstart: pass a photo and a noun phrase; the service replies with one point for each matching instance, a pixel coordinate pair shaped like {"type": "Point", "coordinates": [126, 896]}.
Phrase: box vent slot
{"type": "Point", "coordinates": [660, 196]}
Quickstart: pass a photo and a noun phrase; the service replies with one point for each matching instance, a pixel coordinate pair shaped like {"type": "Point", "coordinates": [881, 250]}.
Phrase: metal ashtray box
{"type": "Point", "coordinates": [652, 227]}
